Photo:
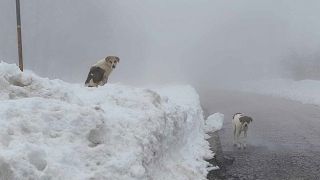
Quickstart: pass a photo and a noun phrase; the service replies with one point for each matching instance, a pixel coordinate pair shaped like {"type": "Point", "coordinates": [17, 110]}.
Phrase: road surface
{"type": "Point", "coordinates": [283, 140]}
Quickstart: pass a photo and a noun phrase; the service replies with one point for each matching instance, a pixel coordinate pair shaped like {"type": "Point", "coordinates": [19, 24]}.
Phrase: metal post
{"type": "Point", "coordinates": [19, 34]}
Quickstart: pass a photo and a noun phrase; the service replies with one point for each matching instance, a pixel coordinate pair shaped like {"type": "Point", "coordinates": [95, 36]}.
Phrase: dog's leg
{"type": "Point", "coordinates": [238, 137]}
{"type": "Point", "coordinates": [104, 80]}
{"type": "Point", "coordinates": [234, 135]}
{"type": "Point", "coordinates": [245, 139]}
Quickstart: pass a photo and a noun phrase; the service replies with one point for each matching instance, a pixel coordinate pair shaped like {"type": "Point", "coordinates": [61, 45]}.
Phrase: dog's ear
{"type": "Point", "coordinates": [107, 58]}
{"type": "Point", "coordinates": [250, 119]}
{"type": "Point", "coordinates": [235, 115]}
{"type": "Point", "coordinates": [118, 59]}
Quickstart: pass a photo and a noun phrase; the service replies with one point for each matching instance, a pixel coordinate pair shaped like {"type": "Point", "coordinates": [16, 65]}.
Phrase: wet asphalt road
{"type": "Point", "coordinates": [283, 140]}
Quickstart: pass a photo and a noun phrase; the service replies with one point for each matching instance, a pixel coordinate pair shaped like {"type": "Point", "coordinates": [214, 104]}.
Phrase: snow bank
{"type": "Point", "coordinates": [214, 122]}
{"type": "Point", "coordinates": [55, 130]}
{"type": "Point", "coordinates": [305, 91]}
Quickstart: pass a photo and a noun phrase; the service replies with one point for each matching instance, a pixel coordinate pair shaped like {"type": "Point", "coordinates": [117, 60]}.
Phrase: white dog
{"type": "Point", "coordinates": [240, 124]}
{"type": "Point", "coordinates": [100, 71]}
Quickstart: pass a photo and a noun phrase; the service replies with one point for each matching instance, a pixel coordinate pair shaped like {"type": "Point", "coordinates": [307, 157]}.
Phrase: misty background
{"type": "Point", "coordinates": [200, 42]}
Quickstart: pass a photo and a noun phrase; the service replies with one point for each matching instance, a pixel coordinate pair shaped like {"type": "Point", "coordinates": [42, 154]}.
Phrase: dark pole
{"type": "Point", "coordinates": [19, 34]}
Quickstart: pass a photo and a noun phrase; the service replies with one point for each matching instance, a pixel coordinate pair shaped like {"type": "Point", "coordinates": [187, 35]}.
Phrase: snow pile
{"type": "Point", "coordinates": [214, 122]}
{"type": "Point", "coordinates": [305, 91]}
{"type": "Point", "coordinates": [54, 130]}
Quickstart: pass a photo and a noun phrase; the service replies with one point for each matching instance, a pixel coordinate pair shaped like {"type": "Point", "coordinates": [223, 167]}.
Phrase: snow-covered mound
{"type": "Point", "coordinates": [214, 122]}
{"type": "Point", "coordinates": [305, 91]}
{"type": "Point", "coordinates": [50, 129]}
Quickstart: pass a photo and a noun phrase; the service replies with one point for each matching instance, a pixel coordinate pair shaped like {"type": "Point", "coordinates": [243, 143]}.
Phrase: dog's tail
{"type": "Point", "coordinates": [89, 78]}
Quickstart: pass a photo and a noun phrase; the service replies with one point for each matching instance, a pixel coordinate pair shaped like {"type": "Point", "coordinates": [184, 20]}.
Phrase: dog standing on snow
{"type": "Point", "coordinates": [99, 72]}
{"type": "Point", "coordinates": [240, 124]}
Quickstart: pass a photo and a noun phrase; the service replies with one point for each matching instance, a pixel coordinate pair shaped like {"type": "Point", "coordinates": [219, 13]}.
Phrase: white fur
{"type": "Point", "coordinates": [238, 128]}
{"type": "Point", "coordinates": [102, 63]}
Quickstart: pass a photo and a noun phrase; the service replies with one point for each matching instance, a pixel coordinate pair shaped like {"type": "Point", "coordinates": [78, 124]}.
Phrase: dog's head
{"type": "Point", "coordinates": [245, 121]}
{"type": "Point", "coordinates": [112, 61]}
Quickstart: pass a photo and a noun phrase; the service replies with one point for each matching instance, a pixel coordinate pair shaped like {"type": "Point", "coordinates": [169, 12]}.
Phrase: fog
{"type": "Point", "coordinates": [200, 42]}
